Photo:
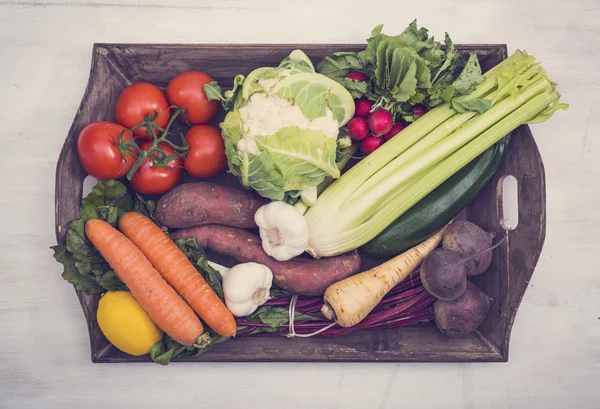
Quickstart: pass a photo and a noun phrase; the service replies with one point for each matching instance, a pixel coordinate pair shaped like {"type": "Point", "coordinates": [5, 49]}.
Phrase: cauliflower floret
{"type": "Point", "coordinates": [252, 127]}
{"type": "Point", "coordinates": [248, 144]}
{"type": "Point", "coordinates": [292, 116]}
{"type": "Point", "coordinates": [260, 106]}
{"type": "Point", "coordinates": [266, 114]}
{"type": "Point", "coordinates": [282, 102]}
{"type": "Point", "coordinates": [327, 124]}
{"type": "Point", "coordinates": [271, 124]}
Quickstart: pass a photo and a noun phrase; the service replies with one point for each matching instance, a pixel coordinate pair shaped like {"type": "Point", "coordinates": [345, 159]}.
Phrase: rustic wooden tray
{"type": "Point", "coordinates": [115, 66]}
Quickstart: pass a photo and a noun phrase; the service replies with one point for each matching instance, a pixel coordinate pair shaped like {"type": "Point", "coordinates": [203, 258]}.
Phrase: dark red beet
{"type": "Point", "coordinates": [370, 144]}
{"type": "Point", "coordinates": [443, 274]}
{"type": "Point", "coordinates": [380, 122]}
{"type": "Point", "coordinates": [472, 243]}
{"type": "Point", "coordinates": [357, 128]}
{"type": "Point", "coordinates": [462, 316]}
{"type": "Point", "coordinates": [357, 76]}
{"type": "Point", "coordinates": [398, 126]}
{"type": "Point", "coordinates": [362, 107]}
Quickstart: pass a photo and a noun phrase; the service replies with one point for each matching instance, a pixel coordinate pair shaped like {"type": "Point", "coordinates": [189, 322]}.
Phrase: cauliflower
{"type": "Point", "coordinates": [266, 114]}
{"type": "Point", "coordinates": [282, 126]}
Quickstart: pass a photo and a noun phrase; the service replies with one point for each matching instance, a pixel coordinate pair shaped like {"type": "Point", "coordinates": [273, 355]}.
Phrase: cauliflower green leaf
{"type": "Point", "coordinates": [303, 157]}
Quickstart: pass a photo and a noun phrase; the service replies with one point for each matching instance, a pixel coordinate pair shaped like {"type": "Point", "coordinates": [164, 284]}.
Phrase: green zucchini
{"type": "Point", "coordinates": [438, 207]}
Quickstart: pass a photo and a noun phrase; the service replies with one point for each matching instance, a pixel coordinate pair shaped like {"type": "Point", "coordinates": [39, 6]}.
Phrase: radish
{"type": "Point", "coordinates": [362, 107]}
{"type": "Point", "coordinates": [380, 122]}
{"type": "Point", "coordinates": [419, 110]}
{"type": "Point", "coordinates": [357, 76]}
{"type": "Point", "coordinates": [357, 128]}
{"type": "Point", "coordinates": [398, 126]}
{"type": "Point", "coordinates": [370, 144]}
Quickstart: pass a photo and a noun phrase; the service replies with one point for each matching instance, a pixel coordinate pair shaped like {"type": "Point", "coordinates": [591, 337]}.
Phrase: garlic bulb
{"type": "Point", "coordinates": [246, 286]}
{"type": "Point", "coordinates": [283, 230]}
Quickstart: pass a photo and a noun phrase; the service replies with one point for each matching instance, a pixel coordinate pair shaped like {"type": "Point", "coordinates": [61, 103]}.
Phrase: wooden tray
{"type": "Point", "coordinates": [115, 66]}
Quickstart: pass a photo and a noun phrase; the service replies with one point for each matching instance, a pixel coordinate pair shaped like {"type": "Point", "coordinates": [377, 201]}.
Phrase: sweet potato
{"type": "Point", "coordinates": [198, 203]}
{"type": "Point", "coordinates": [298, 275]}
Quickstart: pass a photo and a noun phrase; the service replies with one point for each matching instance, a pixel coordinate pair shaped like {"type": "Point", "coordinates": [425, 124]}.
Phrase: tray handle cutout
{"type": "Point", "coordinates": [508, 202]}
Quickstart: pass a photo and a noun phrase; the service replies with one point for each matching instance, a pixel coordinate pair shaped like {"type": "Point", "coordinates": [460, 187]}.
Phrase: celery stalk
{"type": "Point", "coordinates": [409, 167]}
{"type": "Point", "coordinates": [360, 235]}
{"type": "Point", "coordinates": [380, 188]}
{"type": "Point", "coordinates": [302, 207]}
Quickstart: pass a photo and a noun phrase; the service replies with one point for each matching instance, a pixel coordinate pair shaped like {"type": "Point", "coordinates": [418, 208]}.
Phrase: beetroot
{"type": "Point", "coordinates": [419, 110]}
{"type": "Point", "coordinates": [362, 107]}
{"type": "Point", "coordinates": [472, 243]}
{"type": "Point", "coordinates": [443, 274]}
{"type": "Point", "coordinates": [398, 126]}
{"type": "Point", "coordinates": [370, 144]}
{"type": "Point", "coordinates": [462, 316]}
{"type": "Point", "coordinates": [357, 76]}
{"type": "Point", "coordinates": [357, 128]}
{"type": "Point", "coordinates": [380, 122]}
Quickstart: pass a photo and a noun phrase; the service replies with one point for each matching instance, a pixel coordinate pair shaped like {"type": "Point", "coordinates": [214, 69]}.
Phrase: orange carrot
{"type": "Point", "coordinates": [166, 308]}
{"type": "Point", "coordinates": [172, 263]}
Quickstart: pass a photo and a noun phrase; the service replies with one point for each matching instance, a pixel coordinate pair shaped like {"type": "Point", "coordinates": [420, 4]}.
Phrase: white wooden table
{"type": "Point", "coordinates": [45, 49]}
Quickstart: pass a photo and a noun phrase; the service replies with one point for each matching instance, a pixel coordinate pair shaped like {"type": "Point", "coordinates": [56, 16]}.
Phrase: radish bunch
{"type": "Point", "coordinates": [372, 127]}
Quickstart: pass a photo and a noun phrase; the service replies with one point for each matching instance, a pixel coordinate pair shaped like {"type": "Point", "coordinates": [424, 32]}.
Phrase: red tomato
{"type": "Point", "coordinates": [98, 151]}
{"type": "Point", "coordinates": [140, 99]}
{"type": "Point", "coordinates": [206, 157]}
{"type": "Point", "coordinates": [187, 92]}
{"type": "Point", "coordinates": [157, 180]}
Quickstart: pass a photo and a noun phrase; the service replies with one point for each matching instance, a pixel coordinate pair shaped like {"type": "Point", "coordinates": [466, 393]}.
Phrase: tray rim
{"type": "Point", "coordinates": [494, 354]}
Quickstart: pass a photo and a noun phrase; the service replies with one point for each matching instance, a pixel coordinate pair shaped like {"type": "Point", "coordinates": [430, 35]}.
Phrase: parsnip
{"type": "Point", "coordinates": [350, 300]}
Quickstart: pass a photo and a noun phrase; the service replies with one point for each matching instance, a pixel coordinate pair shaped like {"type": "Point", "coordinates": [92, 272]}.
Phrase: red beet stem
{"type": "Point", "coordinates": [407, 303]}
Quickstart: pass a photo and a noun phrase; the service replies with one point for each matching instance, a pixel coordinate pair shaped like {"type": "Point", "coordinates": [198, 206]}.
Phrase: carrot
{"type": "Point", "coordinates": [166, 308]}
{"type": "Point", "coordinates": [350, 300]}
{"type": "Point", "coordinates": [172, 263]}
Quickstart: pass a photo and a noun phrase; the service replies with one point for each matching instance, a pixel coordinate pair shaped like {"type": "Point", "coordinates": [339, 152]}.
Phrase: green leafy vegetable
{"type": "Point", "coordinates": [162, 352]}
{"type": "Point", "coordinates": [338, 65]}
{"type": "Point", "coordinates": [84, 266]}
{"type": "Point", "coordinates": [72, 275]}
{"type": "Point", "coordinates": [356, 88]}
{"type": "Point", "coordinates": [469, 77]}
{"type": "Point", "coordinates": [143, 206]}
{"type": "Point", "coordinates": [303, 157]}
{"type": "Point", "coordinates": [475, 105]}
{"type": "Point", "coordinates": [275, 317]}
{"type": "Point", "coordinates": [406, 70]}
{"type": "Point", "coordinates": [195, 253]}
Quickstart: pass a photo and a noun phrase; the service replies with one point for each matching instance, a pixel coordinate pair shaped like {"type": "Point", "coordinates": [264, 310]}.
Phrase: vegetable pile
{"type": "Point", "coordinates": [431, 130]}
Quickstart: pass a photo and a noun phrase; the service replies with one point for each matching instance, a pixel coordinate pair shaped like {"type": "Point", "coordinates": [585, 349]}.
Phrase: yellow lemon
{"type": "Point", "coordinates": [125, 323]}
